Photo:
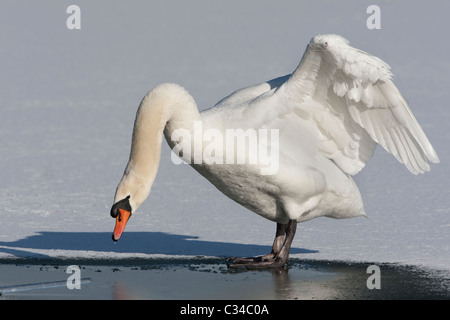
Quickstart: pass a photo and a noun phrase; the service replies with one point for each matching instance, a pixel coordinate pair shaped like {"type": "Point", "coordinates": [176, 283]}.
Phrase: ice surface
{"type": "Point", "coordinates": [68, 100]}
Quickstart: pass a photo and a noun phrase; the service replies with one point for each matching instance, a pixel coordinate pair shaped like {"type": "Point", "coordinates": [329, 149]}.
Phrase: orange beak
{"type": "Point", "coordinates": [121, 222]}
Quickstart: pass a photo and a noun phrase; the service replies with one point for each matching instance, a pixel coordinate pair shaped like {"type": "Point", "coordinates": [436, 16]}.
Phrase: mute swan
{"type": "Point", "coordinates": [329, 115]}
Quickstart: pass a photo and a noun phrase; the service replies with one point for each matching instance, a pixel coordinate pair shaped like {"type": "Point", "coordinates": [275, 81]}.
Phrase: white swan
{"type": "Point", "coordinates": [329, 115]}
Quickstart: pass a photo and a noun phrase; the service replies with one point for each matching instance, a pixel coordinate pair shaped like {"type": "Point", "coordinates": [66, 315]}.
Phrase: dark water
{"type": "Point", "coordinates": [210, 279]}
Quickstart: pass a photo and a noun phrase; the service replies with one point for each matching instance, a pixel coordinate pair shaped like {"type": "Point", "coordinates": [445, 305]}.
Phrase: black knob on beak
{"type": "Point", "coordinates": [123, 204]}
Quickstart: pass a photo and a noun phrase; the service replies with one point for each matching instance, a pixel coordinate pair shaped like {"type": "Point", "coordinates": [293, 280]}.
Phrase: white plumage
{"type": "Point", "coordinates": [355, 104]}
{"type": "Point", "coordinates": [330, 113]}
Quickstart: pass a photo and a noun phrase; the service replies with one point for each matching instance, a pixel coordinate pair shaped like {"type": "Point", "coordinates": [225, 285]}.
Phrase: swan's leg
{"type": "Point", "coordinates": [280, 235]}
{"type": "Point", "coordinates": [280, 250]}
{"type": "Point", "coordinates": [283, 255]}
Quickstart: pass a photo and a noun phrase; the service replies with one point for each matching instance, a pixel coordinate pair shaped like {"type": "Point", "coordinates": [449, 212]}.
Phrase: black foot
{"type": "Point", "coordinates": [264, 262]}
{"type": "Point", "coordinates": [279, 256]}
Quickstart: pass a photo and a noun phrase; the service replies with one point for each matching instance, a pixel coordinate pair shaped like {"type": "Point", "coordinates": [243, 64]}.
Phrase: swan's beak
{"type": "Point", "coordinates": [121, 222]}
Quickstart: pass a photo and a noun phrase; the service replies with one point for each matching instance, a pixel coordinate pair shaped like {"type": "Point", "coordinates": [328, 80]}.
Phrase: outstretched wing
{"type": "Point", "coordinates": [350, 98]}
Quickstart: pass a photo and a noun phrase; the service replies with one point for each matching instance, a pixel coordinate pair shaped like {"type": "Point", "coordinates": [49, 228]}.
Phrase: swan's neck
{"type": "Point", "coordinates": [164, 109]}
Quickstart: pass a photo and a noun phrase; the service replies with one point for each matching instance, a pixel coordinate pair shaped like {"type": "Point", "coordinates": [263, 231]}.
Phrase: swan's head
{"type": "Point", "coordinates": [130, 194]}
{"type": "Point", "coordinates": [121, 211]}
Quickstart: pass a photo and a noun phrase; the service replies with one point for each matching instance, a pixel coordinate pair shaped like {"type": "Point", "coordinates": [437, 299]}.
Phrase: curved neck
{"type": "Point", "coordinates": [169, 107]}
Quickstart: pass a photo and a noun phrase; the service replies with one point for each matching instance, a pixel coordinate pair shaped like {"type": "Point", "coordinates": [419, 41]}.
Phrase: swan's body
{"type": "Point", "coordinates": [330, 113]}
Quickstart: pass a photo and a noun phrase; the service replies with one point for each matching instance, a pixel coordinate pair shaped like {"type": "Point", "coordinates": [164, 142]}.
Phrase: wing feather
{"type": "Point", "coordinates": [355, 105]}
